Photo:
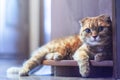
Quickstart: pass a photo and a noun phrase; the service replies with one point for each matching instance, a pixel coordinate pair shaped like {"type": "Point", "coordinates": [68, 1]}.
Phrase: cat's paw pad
{"type": "Point", "coordinates": [99, 57]}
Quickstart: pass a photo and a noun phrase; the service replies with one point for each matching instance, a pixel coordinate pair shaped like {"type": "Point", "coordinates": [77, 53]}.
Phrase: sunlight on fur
{"type": "Point", "coordinates": [94, 41]}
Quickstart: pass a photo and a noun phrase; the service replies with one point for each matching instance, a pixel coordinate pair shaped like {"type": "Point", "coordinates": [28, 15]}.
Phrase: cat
{"type": "Point", "coordinates": [94, 41]}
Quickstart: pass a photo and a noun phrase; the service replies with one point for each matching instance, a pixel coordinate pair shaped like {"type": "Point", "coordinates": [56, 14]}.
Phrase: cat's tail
{"type": "Point", "coordinates": [13, 70]}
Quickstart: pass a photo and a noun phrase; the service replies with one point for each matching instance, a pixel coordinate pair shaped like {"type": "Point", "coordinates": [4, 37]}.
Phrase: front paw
{"type": "Point", "coordinates": [57, 56]}
{"type": "Point", "coordinates": [23, 72]}
{"type": "Point", "coordinates": [99, 57]}
{"type": "Point", "coordinates": [85, 72]}
{"type": "Point", "coordinates": [84, 69]}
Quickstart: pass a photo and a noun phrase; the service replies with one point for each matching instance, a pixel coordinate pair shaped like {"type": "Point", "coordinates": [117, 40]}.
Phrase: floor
{"type": "Point", "coordinates": [5, 64]}
{"type": "Point", "coordinates": [51, 78]}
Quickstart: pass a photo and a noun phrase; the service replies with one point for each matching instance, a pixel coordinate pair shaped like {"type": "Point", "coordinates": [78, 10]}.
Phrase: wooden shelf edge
{"type": "Point", "coordinates": [106, 63]}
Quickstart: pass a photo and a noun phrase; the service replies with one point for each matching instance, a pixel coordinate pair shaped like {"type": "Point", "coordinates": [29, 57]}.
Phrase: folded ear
{"type": "Point", "coordinates": [82, 21]}
{"type": "Point", "coordinates": [105, 18]}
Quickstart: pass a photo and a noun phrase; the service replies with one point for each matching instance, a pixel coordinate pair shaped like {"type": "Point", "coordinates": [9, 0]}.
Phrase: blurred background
{"type": "Point", "coordinates": [28, 24]}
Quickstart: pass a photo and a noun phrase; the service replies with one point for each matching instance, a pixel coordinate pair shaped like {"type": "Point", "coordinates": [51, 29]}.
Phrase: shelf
{"type": "Point", "coordinates": [106, 63]}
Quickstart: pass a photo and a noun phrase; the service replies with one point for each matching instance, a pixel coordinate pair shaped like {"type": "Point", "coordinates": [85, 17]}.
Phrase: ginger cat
{"type": "Point", "coordinates": [93, 42]}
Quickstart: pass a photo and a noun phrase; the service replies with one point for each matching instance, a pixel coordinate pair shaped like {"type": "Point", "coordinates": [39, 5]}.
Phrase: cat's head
{"type": "Point", "coordinates": [96, 30]}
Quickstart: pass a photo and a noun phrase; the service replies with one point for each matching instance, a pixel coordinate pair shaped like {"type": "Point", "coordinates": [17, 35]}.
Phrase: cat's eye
{"type": "Point", "coordinates": [88, 30]}
{"type": "Point", "coordinates": [100, 28]}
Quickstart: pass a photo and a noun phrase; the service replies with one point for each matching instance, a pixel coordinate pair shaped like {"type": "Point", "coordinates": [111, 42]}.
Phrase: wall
{"type": "Point", "coordinates": [65, 14]}
{"type": "Point", "coordinates": [116, 38]}
{"type": "Point", "coordinates": [15, 32]}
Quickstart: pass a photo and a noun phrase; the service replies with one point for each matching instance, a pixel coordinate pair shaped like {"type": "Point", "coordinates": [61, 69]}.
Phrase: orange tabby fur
{"type": "Point", "coordinates": [93, 42]}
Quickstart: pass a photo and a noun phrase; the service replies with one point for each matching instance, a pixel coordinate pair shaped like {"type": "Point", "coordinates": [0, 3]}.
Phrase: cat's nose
{"type": "Point", "coordinates": [94, 37]}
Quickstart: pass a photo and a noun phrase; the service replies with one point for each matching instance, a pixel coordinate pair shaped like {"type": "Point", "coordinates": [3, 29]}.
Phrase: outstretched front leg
{"type": "Point", "coordinates": [82, 59]}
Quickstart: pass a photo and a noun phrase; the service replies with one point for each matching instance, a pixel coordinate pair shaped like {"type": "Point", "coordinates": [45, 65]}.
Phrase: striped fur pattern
{"type": "Point", "coordinates": [93, 42]}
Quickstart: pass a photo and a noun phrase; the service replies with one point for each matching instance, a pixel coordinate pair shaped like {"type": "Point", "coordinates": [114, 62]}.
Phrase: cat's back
{"type": "Point", "coordinates": [71, 42]}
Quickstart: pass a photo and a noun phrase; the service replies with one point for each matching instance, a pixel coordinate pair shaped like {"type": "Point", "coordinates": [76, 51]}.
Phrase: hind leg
{"type": "Point", "coordinates": [54, 56]}
{"type": "Point", "coordinates": [28, 66]}
{"type": "Point", "coordinates": [33, 62]}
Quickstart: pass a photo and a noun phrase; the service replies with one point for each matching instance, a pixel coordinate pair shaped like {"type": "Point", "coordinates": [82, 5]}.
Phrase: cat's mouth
{"type": "Point", "coordinates": [94, 41]}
